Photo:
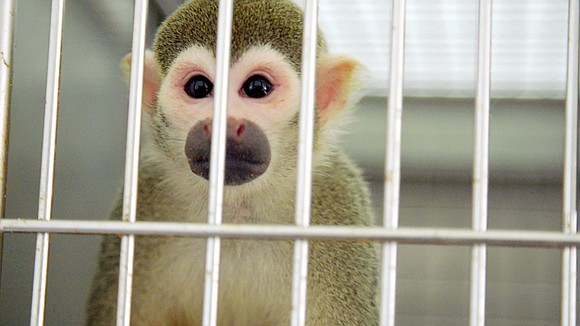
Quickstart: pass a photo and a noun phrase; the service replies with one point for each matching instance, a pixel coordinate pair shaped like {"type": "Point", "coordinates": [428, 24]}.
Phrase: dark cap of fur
{"type": "Point", "coordinates": [277, 23]}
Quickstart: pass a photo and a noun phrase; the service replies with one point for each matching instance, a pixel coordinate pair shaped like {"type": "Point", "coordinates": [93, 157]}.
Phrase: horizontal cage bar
{"type": "Point", "coordinates": [467, 237]}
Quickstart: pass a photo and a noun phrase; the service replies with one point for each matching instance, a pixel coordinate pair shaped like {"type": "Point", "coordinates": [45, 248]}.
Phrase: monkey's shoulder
{"type": "Point", "coordinates": [158, 195]}
{"type": "Point", "coordinates": [340, 195]}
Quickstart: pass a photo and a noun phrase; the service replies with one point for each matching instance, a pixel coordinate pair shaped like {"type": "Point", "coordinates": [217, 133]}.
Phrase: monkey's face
{"type": "Point", "coordinates": [263, 98]}
{"type": "Point", "coordinates": [263, 92]}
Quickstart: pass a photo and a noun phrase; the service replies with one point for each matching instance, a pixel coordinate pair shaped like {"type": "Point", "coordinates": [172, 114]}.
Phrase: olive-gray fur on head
{"type": "Point", "coordinates": [277, 23]}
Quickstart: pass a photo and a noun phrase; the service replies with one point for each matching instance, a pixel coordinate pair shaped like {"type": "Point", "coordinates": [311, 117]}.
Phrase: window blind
{"type": "Point", "coordinates": [528, 45]}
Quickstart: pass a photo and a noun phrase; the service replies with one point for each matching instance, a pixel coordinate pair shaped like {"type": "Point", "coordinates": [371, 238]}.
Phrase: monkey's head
{"type": "Point", "coordinates": [263, 94]}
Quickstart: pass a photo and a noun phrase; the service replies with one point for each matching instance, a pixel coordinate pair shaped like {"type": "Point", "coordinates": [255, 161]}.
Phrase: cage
{"type": "Point", "coordinates": [477, 225]}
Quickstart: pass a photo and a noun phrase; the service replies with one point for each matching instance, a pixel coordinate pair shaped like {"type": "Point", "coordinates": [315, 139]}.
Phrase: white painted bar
{"type": "Point", "coordinates": [217, 162]}
{"type": "Point", "coordinates": [393, 163]}
{"type": "Point", "coordinates": [424, 236]}
{"type": "Point", "coordinates": [304, 172]}
{"type": "Point", "coordinates": [480, 163]}
{"type": "Point", "coordinates": [7, 9]}
{"type": "Point", "coordinates": [132, 162]}
{"type": "Point", "coordinates": [48, 157]}
{"type": "Point", "coordinates": [570, 211]}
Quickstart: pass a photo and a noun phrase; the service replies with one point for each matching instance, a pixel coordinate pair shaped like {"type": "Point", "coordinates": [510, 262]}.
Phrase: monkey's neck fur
{"type": "Point", "coordinates": [183, 197]}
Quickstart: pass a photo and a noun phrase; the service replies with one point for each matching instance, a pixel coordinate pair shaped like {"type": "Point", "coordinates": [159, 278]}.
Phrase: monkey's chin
{"type": "Point", "coordinates": [237, 172]}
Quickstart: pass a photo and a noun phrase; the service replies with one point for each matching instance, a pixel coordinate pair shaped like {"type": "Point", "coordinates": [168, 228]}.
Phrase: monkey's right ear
{"type": "Point", "coordinates": [151, 78]}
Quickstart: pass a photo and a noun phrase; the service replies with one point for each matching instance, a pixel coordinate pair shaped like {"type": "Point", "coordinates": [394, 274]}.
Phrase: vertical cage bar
{"type": "Point", "coordinates": [480, 162]}
{"type": "Point", "coordinates": [304, 172]}
{"type": "Point", "coordinates": [132, 161]}
{"type": "Point", "coordinates": [7, 12]}
{"type": "Point", "coordinates": [393, 162]}
{"type": "Point", "coordinates": [570, 212]}
{"type": "Point", "coordinates": [217, 160]}
{"type": "Point", "coordinates": [48, 158]}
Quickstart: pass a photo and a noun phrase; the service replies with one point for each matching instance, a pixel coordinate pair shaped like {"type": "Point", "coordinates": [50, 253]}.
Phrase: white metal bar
{"type": "Point", "coordinates": [540, 239]}
{"type": "Point", "coordinates": [304, 172]}
{"type": "Point", "coordinates": [48, 158]}
{"type": "Point", "coordinates": [570, 211]}
{"type": "Point", "coordinates": [217, 163]}
{"type": "Point", "coordinates": [393, 163]}
{"type": "Point", "coordinates": [480, 163]}
{"type": "Point", "coordinates": [132, 162]}
{"type": "Point", "coordinates": [7, 10]}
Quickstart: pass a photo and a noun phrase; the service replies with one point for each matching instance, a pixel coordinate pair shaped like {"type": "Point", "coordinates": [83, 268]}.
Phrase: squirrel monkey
{"type": "Point", "coordinates": [260, 172]}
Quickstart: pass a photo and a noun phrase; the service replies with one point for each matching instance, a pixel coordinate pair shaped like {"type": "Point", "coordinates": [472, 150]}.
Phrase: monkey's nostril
{"type": "Point", "coordinates": [206, 130]}
{"type": "Point", "coordinates": [241, 129]}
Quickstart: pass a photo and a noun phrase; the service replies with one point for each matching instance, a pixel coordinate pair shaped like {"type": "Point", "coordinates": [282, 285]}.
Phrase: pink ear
{"type": "Point", "coordinates": [151, 78]}
{"type": "Point", "coordinates": [333, 79]}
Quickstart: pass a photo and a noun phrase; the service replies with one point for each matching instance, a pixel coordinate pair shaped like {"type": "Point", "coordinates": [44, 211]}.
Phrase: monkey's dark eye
{"type": "Point", "coordinates": [198, 87]}
{"type": "Point", "coordinates": [257, 87]}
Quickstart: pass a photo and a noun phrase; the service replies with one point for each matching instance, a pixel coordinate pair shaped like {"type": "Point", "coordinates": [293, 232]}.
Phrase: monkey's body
{"type": "Point", "coordinates": [255, 275]}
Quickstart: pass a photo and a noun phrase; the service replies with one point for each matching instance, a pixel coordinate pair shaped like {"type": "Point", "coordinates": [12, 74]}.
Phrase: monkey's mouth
{"type": "Point", "coordinates": [247, 151]}
{"type": "Point", "coordinates": [237, 170]}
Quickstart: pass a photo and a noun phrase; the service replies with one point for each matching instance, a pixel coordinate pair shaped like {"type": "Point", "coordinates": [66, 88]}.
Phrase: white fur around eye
{"type": "Point", "coordinates": [182, 110]}
{"type": "Point", "coordinates": [271, 112]}
{"type": "Point", "coordinates": [283, 101]}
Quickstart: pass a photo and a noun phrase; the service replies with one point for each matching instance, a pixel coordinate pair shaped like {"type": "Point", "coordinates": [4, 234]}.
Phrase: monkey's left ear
{"type": "Point", "coordinates": [151, 78]}
{"type": "Point", "coordinates": [334, 83]}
